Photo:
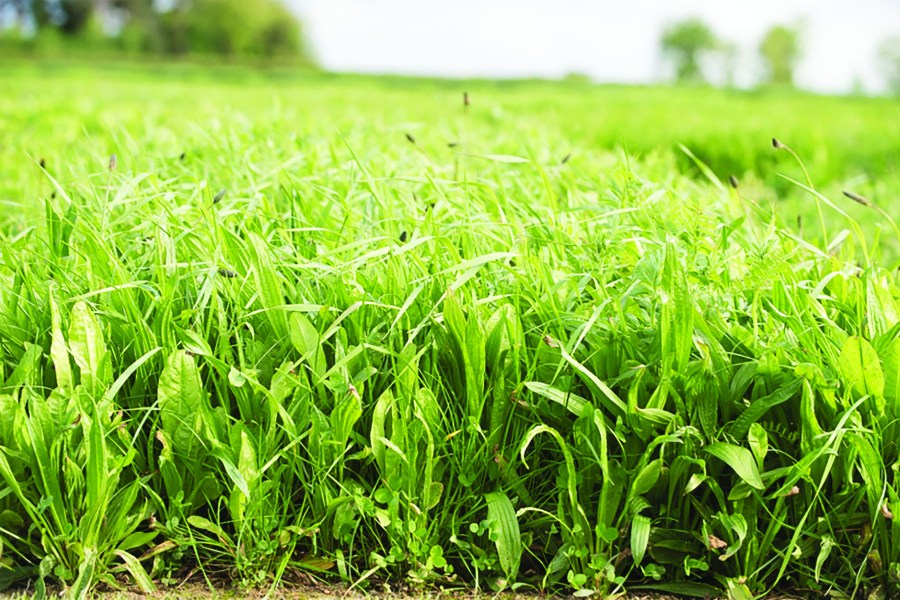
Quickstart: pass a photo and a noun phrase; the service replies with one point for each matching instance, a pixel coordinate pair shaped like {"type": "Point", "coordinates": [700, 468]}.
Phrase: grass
{"type": "Point", "coordinates": [291, 333]}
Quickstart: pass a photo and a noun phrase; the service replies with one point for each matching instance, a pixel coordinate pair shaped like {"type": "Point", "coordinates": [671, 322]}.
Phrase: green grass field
{"type": "Point", "coordinates": [348, 328]}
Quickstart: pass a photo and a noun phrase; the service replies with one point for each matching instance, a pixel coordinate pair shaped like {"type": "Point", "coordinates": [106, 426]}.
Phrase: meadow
{"type": "Point", "coordinates": [263, 330]}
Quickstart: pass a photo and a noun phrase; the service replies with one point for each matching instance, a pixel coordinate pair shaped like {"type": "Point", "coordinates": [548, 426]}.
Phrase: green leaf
{"type": "Point", "coordinates": [181, 403]}
{"type": "Point", "coordinates": [646, 478]}
{"type": "Point", "coordinates": [740, 426]}
{"type": "Point", "coordinates": [740, 460]}
{"type": "Point", "coordinates": [504, 528]}
{"type": "Point", "coordinates": [891, 361]}
{"type": "Point", "coordinates": [268, 285]}
{"type": "Point", "coordinates": [572, 402]}
{"type": "Point", "coordinates": [141, 578]}
{"type": "Point", "coordinates": [759, 443]}
{"type": "Point", "coordinates": [640, 537]}
{"type": "Point", "coordinates": [89, 350]}
{"type": "Point", "coordinates": [307, 341]}
{"type": "Point", "coordinates": [58, 350]}
{"type": "Point", "coordinates": [861, 367]}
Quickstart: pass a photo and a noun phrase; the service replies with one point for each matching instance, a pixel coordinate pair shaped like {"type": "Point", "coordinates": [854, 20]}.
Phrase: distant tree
{"type": "Point", "coordinates": [237, 29]}
{"type": "Point", "coordinates": [231, 28]}
{"type": "Point", "coordinates": [685, 43]}
{"type": "Point", "coordinates": [889, 63]}
{"type": "Point", "coordinates": [780, 50]}
{"type": "Point", "coordinates": [68, 16]}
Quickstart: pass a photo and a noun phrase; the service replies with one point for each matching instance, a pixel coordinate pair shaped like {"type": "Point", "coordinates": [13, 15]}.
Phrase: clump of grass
{"type": "Point", "coordinates": [590, 379]}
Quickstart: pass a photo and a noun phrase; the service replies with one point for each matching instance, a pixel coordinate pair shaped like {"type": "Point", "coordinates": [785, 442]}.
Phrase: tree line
{"type": "Point", "coordinates": [264, 29]}
{"type": "Point", "coordinates": [690, 44]}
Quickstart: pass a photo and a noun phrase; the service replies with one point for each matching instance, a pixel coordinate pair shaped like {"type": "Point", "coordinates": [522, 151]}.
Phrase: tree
{"type": "Point", "coordinates": [889, 63]}
{"type": "Point", "coordinates": [685, 43]}
{"type": "Point", "coordinates": [234, 28]}
{"type": "Point", "coordinates": [780, 51]}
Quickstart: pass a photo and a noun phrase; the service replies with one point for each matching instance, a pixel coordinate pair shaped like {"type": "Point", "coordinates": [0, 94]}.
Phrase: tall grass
{"type": "Point", "coordinates": [371, 358]}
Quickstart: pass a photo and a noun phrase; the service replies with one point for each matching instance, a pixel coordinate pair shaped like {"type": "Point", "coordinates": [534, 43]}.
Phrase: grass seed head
{"type": "Point", "coordinates": [219, 195]}
{"type": "Point", "coordinates": [857, 198]}
{"type": "Point", "coordinates": [227, 273]}
{"type": "Point", "coordinates": [182, 156]}
{"type": "Point", "coordinates": [566, 158]}
{"type": "Point", "coordinates": [715, 543]}
{"type": "Point", "coordinates": [403, 236]}
{"type": "Point", "coordinates": [777, 145]}
{"type": "Point", "coordinates": [43, 163]}
{"type": "Point", "coordinates": [112, 162]}
{"type": "Point", "coordinates": [733, 181]}
{"type": "Point", "coordinates": [410, 138]}
{"type": "Point", "coordinates": [452, 144]}
{"type": "Point", "coordinates": [466, 99]}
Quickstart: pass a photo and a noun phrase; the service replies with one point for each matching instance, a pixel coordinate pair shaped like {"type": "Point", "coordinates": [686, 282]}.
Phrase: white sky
{"type": "Point", "coordinates": [610, 40]}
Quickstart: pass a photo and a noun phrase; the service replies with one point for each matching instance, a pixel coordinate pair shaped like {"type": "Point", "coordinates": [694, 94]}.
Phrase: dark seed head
{"type": "Point", "coordinates": [403, 236]}
{"type": "Point", "coordinates": [466, 99]}
{"type": "Point", "coordinates": [857, 198]}
{"type": "Point", "coordinates": [112, 162]}
{"type": "Point", "coordinates": [776, 144]}
{"type": "Point", "coordinates": [227, 273]}
{"type": "Point", "coordinates": [733, 181]}
{"type": "Point", "coordinates": [53, 194]}
{"type": "Point", "coordinates": [410, 138]}
{"type": "Point", "coordinates": [182, 156]}
{"type": "Point", "coordinates": [218, 197]}
{"type": "Point", "coordinates": [566, 158]}
{"type": "Point", "coordinates": [452, 144]}
{"type": "Point", "coordinates": [43, 163]}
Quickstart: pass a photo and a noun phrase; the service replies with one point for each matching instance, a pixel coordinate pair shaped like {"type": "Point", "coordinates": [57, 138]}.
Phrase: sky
{"type": "Point", "coordinates": [609, 40]}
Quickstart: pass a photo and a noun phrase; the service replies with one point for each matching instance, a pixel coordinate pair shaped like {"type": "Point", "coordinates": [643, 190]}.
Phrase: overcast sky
{"type": "Point", "coordinates": [611, 40]}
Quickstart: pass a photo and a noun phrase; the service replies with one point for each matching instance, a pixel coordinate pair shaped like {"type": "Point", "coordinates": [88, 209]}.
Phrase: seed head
{"type": "Point", "coordinates": [182, 156]}
{"type": "Point", "coordinates": [715, 543]}
{"type": "Point", "coordinates": [733, 181]}
{"type": "Point", "coordinates": [403, 236]}
{"type": "Point", "coordinates": [227, 273]}
{"type": "Point", "coordinates": [43, 163]}
{"type": "Point", "coordinates": [112, 162]}
{"type": "Point", "coordinates": [218, 197]}
{"type": "Point", "coordinates": [566, 158]}
{"type": "Point", "coordinates": [777, 145]}
{"type": "Point", "coordinates": [857, 198]}
{"type": "Point", "coordinates": [466, 99]}
{"type": "Point", "coordinates": [410, 138]}
{"type": "Point", "coordinates": [452, 144]}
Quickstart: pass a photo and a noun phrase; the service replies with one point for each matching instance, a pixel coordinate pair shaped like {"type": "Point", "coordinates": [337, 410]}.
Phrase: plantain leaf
{"type": "Point", "coordinates": [740, 460]}
{"type": "Point", "coordinates": [181, 400]}
{"type": "Point", "coordinates": [640, 537]}
{"type": "Point", "coordinates": [861, 367]}
{"type": "Point", "coordinates": [504, 528]}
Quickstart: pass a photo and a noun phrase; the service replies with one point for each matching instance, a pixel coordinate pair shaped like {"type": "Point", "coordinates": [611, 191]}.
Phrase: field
{"type": "Point", "coordinates": [263, 330]}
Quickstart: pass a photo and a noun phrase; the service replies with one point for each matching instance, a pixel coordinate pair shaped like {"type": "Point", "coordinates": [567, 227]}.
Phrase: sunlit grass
{"type": "Point", "coordinates": [355, 330]}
